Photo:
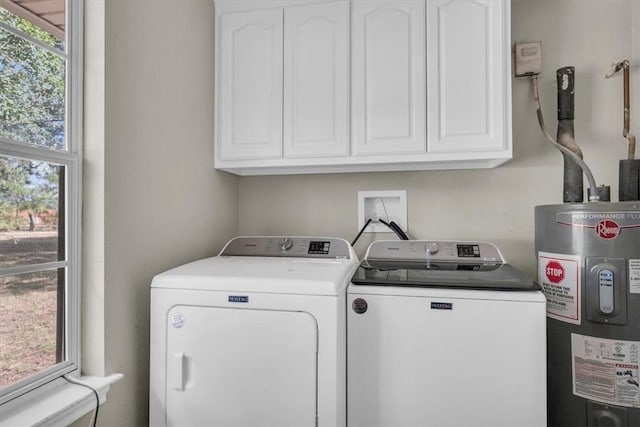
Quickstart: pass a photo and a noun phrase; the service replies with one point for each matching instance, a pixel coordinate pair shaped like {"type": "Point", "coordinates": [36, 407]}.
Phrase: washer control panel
{"type": "Point", "coordinates": [420, 250]}
{"type": "Point", "coordinates": [291, 247]}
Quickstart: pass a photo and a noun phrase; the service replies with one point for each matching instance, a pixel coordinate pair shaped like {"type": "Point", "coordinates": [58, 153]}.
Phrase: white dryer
{"type": "Point", "coordinates": [444, 334]}
{"type": "Point", "coordinates": [252, 337]}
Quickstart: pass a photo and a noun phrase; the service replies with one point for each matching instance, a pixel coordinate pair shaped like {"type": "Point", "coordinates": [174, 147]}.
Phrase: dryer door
{"type": "Point", "coordinates": [241, 367]}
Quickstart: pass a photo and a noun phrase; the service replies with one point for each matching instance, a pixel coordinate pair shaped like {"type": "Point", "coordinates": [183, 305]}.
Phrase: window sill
{"type": "Point", "coordinates": [56, 403]}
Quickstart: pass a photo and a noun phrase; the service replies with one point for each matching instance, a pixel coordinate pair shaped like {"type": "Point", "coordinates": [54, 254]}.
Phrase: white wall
{"type": "Point", "coordinates": [153, 199]}
{"type": "Point", "coordinates": [496, 204]}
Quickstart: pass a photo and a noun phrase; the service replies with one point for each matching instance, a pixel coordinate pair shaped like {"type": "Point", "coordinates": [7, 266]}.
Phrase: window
{"type": "Point", "coordinates": [40, 131]}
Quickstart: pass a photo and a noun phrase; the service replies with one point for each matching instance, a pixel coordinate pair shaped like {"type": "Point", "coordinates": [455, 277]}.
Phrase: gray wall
{"type": "Point", "coordinates": [153, 197]}
{"type": "Point", "coordinates": [495, 204]}
{"type": "Point", "coordinates": [153, 200]}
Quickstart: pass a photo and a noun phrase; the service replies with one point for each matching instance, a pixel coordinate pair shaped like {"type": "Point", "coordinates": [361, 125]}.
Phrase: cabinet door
{"type": "Point", "coordinates": [316, 70]}
{"type": "Point", "coordinates": [250, 85]}
{"type": "Point", "coordinates": [388, 77]}
{"type": "Point", "coordinates": [466, 78]}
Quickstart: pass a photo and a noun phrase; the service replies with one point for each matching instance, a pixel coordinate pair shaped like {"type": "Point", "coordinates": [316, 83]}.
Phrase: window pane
{"type": "Point", "coordinates": [30, 324]}
{"type": "Point", "coordinates": [20, 248]}
{"type": "Point", "coordinates": [49, 30]}
{"type": "Point", "coordinates": [32, 95]}
{"type": "Point", "coordinates": [30, 211]}
{"type": "Point", "coordinates": [37, 280]}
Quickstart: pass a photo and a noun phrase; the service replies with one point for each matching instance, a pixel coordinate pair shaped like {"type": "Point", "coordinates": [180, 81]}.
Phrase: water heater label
{"type": "Point", "coordinates": [634, 276]}
{"type": "Point", "coordinates": [605, 370]}
{"type": "Point", "coordinates": [606, 225]}
{"type": "Point", "coordinates": [559, 276]}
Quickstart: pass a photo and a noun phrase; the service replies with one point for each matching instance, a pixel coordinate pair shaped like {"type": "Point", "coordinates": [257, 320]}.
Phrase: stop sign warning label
{"type": "Point", "coordinates": [559, 276]}
{"type": "Point", "coordinates": [554, 272]}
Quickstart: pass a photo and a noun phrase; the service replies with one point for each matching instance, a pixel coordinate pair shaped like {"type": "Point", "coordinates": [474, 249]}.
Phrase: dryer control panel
{"type": "Point", "coordinates": [449, 251]}
{"type": "Point", "coordinates": [290, 247]}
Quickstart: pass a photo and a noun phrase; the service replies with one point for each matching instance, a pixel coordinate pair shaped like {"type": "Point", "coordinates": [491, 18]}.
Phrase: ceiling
{"type": "Point", "coordinates": [47, 14]}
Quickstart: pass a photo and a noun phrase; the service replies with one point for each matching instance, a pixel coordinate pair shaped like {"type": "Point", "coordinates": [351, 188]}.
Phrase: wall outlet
{"type": "Point", "coordinates": [528, 58]}
{"type": "Point", "coordinates": [386, 205]}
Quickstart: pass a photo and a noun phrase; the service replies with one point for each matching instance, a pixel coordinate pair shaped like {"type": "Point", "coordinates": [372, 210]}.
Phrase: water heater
{"type": "Point", "coordinates": [588, 258]}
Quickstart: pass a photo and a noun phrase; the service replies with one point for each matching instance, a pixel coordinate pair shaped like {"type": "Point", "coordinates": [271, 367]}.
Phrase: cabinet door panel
{"type": "Point", "coordinates": [388, 77]}
{"type": "Point", "coordinates": [467, 111]}
{"type": "Point", "coordinates": [250, 85]}
{"type": "Point", "coordinates": [315, 80]}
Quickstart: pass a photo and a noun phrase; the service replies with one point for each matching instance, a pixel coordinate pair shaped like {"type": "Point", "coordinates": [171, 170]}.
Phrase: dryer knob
{"type": "Point", "coordinates": [286, 244]}
{"type": "Point", "coordinates": [432, 248]}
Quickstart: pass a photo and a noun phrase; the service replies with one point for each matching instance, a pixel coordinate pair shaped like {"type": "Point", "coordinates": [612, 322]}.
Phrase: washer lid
{"type": "Point", "coordinates": [304, 276]}
{"type": "Point", "coordinates": [498, 277]}
{"type": "Point", "coordinates": [442, 264]}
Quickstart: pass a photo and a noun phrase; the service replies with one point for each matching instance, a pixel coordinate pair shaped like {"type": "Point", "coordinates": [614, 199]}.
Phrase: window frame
{"type": "Point", "coordinates": [71, 157]}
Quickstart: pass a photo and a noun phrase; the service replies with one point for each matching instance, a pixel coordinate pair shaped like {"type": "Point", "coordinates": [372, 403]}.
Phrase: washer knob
{"type": "Point", "coordinates": [286, 244]}
{"type": "Point", "coordinates": [432, 248]}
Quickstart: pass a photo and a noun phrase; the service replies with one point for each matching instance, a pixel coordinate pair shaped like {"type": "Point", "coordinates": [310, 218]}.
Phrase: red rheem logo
{"type": "Point", "coordinates": [554, 272]}
{"type": "Point", "coordinates": [607, 229]}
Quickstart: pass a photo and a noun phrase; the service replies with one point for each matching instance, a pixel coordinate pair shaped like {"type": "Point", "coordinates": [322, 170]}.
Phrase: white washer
{"type": "Point", "coordinates": [252, 337]}
{"type": "Point", "coordinates": [444, 334]}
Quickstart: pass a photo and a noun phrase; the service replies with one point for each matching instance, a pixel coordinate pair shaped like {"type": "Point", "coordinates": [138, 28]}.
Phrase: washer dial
{"type": "Point", "coordinates": [432, 248]}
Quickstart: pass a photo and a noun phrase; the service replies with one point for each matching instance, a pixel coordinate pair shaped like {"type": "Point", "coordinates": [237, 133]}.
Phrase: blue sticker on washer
{"type": "Point", "coordinates": [238, 298]}
{"type": "Point", "coordinates": [442, 306]}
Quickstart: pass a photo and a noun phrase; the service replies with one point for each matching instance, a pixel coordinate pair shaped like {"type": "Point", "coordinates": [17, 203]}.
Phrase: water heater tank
{"type": "Point", "coordinates": [588, 258]}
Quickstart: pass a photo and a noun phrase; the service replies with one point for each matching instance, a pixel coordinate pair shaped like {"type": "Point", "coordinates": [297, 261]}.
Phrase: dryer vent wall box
{"type": "Point", "coordinates": [386, 205]}
{"type": "Point", "coordinates": [234, 338]}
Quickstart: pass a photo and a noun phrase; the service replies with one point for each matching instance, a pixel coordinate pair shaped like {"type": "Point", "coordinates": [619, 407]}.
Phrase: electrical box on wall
{"type": "Point", "coordinates": [386, 205]}
{"type": "Point", "coordinates": [527, 58]}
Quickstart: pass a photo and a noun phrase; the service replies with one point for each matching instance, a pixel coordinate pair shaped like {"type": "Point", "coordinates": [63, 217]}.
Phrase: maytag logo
{"type": "Point", "coordinates": [441, 306]}
{"type": "Point", "coordinates": [238, 298]}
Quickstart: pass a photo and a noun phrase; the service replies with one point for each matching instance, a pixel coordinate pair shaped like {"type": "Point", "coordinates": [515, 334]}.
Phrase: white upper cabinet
{"type": "Point", "coordinates": [466, 71]}
{"type": "Point", "coordinates": [283, 82]}
{"type": "Point", "coordinates": [388, 77]}
{"type": "Point", "coordinates": [249, 88]}
{"type": "Point", "coordinates": [309, 86]}
{"type": "Point", "coordinates": [316, 72]}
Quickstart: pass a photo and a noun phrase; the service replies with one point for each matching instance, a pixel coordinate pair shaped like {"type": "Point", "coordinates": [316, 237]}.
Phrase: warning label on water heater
{"type": "Point", "coordinates": [634, 276]}
{"type": "Point", "coordinates": [559, 276]}
{"type": "Point", "coordinates": [605, 370]}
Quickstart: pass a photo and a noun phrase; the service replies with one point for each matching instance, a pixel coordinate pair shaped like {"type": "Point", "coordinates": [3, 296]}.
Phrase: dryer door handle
{"type": "Point", "coordinates": [178, 368]}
